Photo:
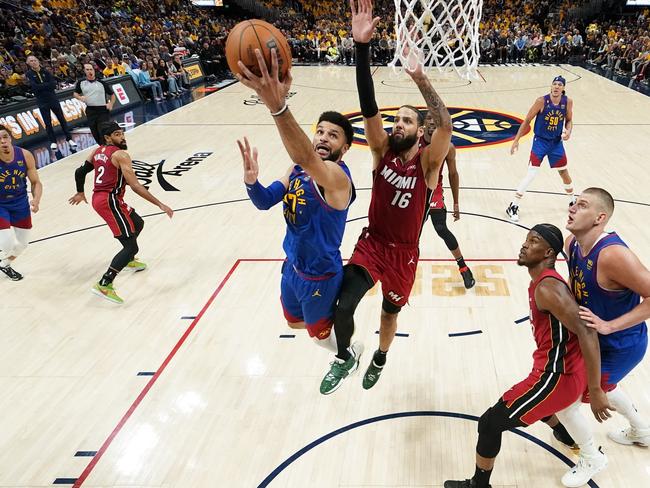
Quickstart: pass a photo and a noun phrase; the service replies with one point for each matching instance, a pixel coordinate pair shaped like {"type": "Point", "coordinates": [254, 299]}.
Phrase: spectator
{"type": "Point", "coordinates": [43, 85]}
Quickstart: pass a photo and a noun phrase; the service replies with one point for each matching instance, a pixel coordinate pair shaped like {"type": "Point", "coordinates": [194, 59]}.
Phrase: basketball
{"type": "Point", "coordinates": [249, 35]}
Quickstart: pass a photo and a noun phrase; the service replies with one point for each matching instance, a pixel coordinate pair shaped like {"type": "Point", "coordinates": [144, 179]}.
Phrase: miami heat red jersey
{"type": "Point", "coordinates": [398, 205]}
{"type": "Point", "coordinates": [108, 177]}
{"type": "Point", "coordinates": [558, 350]}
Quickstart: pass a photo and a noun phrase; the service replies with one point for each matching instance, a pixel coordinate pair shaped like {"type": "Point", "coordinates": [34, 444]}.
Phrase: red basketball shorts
{"type": "Point", "coordinates": [115, 212]}
{"type": "Point", "coordinates": [392, 264]}
{"type": "Point", "coordinates": [542, 394]}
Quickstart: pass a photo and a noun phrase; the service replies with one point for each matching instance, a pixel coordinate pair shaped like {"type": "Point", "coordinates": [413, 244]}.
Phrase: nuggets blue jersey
{"type": "Point", "coordinates": [314, 229]}
{"type": "Point", "coordinates": [606, 304]}
{"type": "Point", "coordinates": [549, 123]}
{"type": "Point", "coordinates": [13, 177]}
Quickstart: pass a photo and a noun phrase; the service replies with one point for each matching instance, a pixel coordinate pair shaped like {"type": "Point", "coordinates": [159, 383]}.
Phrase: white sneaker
{"type": "Point", "coordinates": [72, 144]}
{"type": "Point", "coordinates": [631, 436]}
{"type": "Point", "coordinates": [585, 469]}
{"type": "Point", "coordinates": [513, 212]}
{"type": "Point", "coordinates": [357, 349]}
{"type": "Point", "coordinates": [53, 146]}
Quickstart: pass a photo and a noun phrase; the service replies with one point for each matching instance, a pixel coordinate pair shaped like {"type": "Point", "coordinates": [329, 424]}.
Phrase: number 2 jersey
{"type": "Point", "coordinates": [314, 229]}
{"type": "Point", "coordinates": [399, 204]}
{"type": "Point", "coordinates": [108, 177]}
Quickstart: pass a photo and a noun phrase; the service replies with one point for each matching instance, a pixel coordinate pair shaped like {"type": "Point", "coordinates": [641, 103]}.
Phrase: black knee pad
{"type": "Point", "coordinates": [355, 285]}
{"type": "Point", "coordinates": [138, 223]}
{"type": "Point", "coordinates": [389, 307]}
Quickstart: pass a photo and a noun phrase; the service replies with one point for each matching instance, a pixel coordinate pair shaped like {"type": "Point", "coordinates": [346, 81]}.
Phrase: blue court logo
{"type": "Point", "coordinates": [472, 127]}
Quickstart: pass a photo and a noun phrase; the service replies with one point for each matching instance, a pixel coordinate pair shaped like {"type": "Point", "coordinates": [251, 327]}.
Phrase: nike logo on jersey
{"type": "Point", "coordinates": [398, 181]}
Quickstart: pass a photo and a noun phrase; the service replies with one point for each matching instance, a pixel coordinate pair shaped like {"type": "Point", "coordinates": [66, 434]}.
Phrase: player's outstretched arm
{"type": "Point", "coordinates": [525, 125]}
{"type": "Point", "coordinates": [123, 160]}
{"type": "Point", "coordinates": [34, 180]}
{"type": "Point", "coordinates": [263, 197]}
{"type": "Point", "coordinates": [273, 93]}
{"type": "Point", "coordinates": [434, 154]}
{"type": "Point", "coordinates": [363, 28]}
{"type": "Point", "coordinates": [619, 265]}
{"type": "Point", "coordinates": [80, 181]}
{"type": "Point", "coordinates": [554, 297]}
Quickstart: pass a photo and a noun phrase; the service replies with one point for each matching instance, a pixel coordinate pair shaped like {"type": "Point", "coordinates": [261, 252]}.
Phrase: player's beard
{"type": "Point", "coordinates": [122, 145]}
{"type": "Point", "coordinates": [333, 156]}
{"type": "Point", "coordinates": [404, 144]}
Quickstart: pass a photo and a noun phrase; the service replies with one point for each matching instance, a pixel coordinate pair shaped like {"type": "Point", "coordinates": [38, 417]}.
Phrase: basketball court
{"type": "Point", "coordinates": [197, 382]}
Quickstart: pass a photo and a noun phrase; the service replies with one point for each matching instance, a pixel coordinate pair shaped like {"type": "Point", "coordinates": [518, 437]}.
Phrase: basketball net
{"type": "Point", "coordinates": [438, 33]}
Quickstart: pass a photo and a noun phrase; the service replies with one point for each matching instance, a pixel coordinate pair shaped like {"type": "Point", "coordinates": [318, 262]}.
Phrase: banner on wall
{"type": "Point", "coordinates": [26, 121]}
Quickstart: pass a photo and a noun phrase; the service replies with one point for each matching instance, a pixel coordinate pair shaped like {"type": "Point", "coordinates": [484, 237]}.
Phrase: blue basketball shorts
{"type": "Point", "coordinates": [310, 299]}
{"type": "Point", "coordinates": [15, 213]}
{"type": "Point", "coordinates": [553, 149]}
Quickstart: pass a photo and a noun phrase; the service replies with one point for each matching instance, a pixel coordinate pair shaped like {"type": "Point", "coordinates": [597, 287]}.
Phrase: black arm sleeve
{"type": "Point", "coordinates": [365, 86]}
{"type": "Point", "coordinates": [80, 175]}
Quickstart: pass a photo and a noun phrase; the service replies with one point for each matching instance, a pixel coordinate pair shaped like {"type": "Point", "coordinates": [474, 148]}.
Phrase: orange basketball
{"type": "Point", "coordinates": [249, 35]}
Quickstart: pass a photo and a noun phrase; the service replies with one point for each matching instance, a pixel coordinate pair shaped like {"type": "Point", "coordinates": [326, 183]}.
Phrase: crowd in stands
{"type": "Point", "coordinates": [148, 39]}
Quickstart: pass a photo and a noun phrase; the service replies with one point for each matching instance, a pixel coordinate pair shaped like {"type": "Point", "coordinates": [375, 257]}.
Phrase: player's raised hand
{"type": "Point", "coordinates": [363, 24]}
{"type": "Point", "coordinates": [414, 65]}
{"type": "Point", "coordinates": [268, 86]}
{"type": "Point", "coordinates": [251, 168]}
{"type": "Point", "coordinates": [77, 198]}
{"type": "Point", "coordinates": [514, 147]}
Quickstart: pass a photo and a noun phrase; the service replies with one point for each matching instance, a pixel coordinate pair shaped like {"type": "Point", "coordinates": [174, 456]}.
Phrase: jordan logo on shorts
{"type": "Point", "coordinates": [317, 293]}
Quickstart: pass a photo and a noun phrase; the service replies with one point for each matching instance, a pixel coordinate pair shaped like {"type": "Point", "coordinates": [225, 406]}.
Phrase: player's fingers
{"type": "Point", "coordinates": [248, 144]}
{"type": "Point", "coordinates": [246, 74]}
{"type": "Point", "coordinates": [255, 154]}
{"type": "Point", "coordinates": [353, 7]}
{"type": "Point", "coordinates": [241, 150]}
{"type": "Point", "coordinates": [262, 64]}
{"type": "Point", "coordinates": [375, 21]}
{"type": "Point", "coordinates": [274, 64]}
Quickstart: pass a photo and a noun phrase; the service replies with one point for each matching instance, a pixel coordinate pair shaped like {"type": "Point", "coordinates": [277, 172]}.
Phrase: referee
{"type": "Point", "coordinates": [99, 100]}
{"type": "Point", "coordinates": [43, 86]}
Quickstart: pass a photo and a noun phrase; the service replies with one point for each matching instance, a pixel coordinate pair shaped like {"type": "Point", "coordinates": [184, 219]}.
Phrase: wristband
{"type": "Point", "coordinates": [281, 111]}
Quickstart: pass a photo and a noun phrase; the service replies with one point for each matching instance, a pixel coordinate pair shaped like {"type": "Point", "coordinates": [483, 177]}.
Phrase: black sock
{"type": "Point", "coordinates": [563, 434]}
{"type": "Point", "coordinates": [379, 357]}
{"type": "Point", "coordinates": [481, 478]}
{"type": "Point", "coordinates": [108, 277]}
{"type": "Point", "coordinates": [461, 262]}
{"type": "Point", "coordinates": [345, 355]}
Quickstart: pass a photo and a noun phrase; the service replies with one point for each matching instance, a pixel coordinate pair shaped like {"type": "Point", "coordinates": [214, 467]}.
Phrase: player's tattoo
{"type": "Point", "coordinates": [436, 106]}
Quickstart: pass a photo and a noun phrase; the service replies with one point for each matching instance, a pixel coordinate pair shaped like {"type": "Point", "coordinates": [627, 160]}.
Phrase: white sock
{"type": "Point", "coordinates": [578, 426]}
{"type": "Point", "coordinates": [329, 342]}
{"type": "Point", "coordinates": [623, 405]}
{"type": "Point", "coordinates": [528, 179]}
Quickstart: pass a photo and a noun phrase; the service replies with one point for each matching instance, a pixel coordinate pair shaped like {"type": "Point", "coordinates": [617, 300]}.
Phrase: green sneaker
{"type": "Point", "coordinates": [136, 265]}
{"type": "Point", "coordinates": [339, 370]}
{"type": "Point", "coordinates": [107, 292]}
{"type": "Point", "coordinates": [371, 377]}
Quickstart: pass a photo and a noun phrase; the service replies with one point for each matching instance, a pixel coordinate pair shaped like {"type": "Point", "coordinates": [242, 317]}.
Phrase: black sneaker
{"type": "Point", "coordinates": [570, 443]}
{"type": "Point", "coordinates": [468, 277]}
{"type": "Point", "coordinates": [11, 273]}
{"type": "Point", "coordinates": [461, 484]}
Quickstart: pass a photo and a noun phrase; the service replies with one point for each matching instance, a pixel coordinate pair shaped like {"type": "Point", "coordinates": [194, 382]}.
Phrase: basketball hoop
{"type": "Point", "coordinates": [445, 33]}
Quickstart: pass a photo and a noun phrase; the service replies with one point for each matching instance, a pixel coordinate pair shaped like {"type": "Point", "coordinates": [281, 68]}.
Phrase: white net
{"type": "Point", "coordinates": [443, 33]}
